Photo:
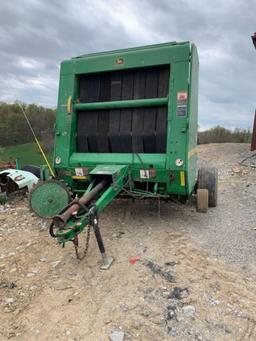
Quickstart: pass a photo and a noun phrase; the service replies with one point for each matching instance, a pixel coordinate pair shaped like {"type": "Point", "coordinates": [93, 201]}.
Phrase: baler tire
{"type": "Point", "coordinates": [208, 179]}
{"type": "Point", "coordinates": [202, 200]}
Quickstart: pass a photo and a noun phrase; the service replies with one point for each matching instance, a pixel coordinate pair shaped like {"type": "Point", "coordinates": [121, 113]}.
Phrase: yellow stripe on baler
{"type": "Point", "coordinates": [69, 105]}
{"type": "Point", "coordinates": [79, 177]}
{"type": "Point", "coordinates": [182, 178]}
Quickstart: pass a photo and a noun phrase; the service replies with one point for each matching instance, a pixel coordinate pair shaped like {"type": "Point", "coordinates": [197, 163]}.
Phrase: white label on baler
{"type": "Point", "coordinates": [79, 172]}
{"type": "Point", "coordinates": [144, 174]}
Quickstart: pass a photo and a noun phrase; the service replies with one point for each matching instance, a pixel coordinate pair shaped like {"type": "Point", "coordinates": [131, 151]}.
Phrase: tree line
{"type": "Point", "coordinates": [220, 134]}
{"type": "Point", "coordinates": [14, 128]}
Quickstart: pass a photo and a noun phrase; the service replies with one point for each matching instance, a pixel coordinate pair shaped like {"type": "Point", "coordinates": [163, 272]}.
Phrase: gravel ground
{"type": "Point", "coordinates": [181, 275]}
{"type": "Point", "coordinates": [228, 231]}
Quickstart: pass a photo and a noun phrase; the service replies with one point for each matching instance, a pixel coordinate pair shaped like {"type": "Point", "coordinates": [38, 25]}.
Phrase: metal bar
{"type": "Point", "coordinates": [85, 199]}
{"type": "Point", "coordinates": [90, 186]}
{"type": "Point", "coordinates": [106, 261]}
{"type": "Point", "coordinates": [106, 198]}
{"type": "Point", "coordinates": [98, 235]}
{"type": "Point", "coordinates": [145, 194]}
{"type": "Point", "coordinates": [122, 104]}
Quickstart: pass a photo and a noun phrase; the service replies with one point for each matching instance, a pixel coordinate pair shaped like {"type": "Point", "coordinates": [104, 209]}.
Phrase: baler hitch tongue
{"type": "Point", "coordinates": [77, 216]}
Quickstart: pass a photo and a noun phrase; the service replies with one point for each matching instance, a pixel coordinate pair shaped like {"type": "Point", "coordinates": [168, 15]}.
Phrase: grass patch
{"type": "Point", "coordinates": [3, 199]}
{"type": "Point", "coordinates": [26, 154]}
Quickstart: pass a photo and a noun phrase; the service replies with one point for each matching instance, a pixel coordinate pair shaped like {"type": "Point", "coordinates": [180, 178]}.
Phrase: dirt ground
{"type": "Point", "coordinates": [194, 278]}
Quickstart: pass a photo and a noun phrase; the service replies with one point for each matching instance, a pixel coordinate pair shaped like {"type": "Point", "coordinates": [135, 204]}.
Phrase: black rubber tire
{"type": "Point", "coordinates": [202, 199]}
{"type": "Point", "coordinates": [208, 179]}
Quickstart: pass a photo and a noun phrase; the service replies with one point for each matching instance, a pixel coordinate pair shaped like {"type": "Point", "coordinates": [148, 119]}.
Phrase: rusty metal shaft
{"type": "Point", "coordinates": [61, 220]}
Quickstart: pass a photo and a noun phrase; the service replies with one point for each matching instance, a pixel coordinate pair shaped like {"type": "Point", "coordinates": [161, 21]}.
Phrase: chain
{"type": "Point", "coordinates": [75, 242]}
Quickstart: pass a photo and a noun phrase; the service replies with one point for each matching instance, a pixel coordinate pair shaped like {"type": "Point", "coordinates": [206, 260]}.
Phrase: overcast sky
{"type": "Point", "coordinates": [36, 35]}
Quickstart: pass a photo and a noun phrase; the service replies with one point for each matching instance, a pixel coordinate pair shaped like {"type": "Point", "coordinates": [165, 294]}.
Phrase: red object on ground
{"type": "Point", "coordinates": [134, 260]}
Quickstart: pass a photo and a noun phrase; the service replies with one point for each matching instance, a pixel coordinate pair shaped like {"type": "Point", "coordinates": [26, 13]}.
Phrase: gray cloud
{"type": "Point", "coordinates": [37, 36]}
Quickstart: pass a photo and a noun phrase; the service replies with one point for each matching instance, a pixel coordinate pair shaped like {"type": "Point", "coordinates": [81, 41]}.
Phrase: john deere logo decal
{"type": "Point", "coordinates": [119, 61]}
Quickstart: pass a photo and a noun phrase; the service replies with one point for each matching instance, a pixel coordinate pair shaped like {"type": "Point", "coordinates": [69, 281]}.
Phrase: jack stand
{"type": "Point", "coordinates": [107, 261]}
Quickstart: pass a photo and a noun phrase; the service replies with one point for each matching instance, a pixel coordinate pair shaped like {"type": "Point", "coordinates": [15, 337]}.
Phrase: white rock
{"type": "Point", "coordinates": [9, 300]}
{"type": "Point", "coordinates": [33, 273]}
{"type": "Point", "coordinates": [216, 302]}
{"type": "Point", "coordinates": [43, 259]}
{"type": "Point", "coordinates": [117, 336]}
{"type": "Point", "coordinates": [189, 310]}
{"type": "Point", "coordinates": [173, 332]}
{"type": "Point", "coordinates": [32, 287]}
{"type": "Point", "coordinates": [199, 337]}
{"type": "Point", "coordinates": [55, 264]}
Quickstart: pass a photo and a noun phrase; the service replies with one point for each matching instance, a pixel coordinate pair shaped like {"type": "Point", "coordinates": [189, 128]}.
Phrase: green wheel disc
{"type": "Point", "coordinates": [48, 198]}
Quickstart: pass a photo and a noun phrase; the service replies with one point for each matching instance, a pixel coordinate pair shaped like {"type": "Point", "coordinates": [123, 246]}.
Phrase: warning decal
{"type": "Point", "coordinates": [182, 98]}
{"type": "Point", "coordinates": [181, 110]}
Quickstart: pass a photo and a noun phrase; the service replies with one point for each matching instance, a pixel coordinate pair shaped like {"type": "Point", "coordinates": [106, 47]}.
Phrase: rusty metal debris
{"type": "Point", "coordinates": [158, 270]}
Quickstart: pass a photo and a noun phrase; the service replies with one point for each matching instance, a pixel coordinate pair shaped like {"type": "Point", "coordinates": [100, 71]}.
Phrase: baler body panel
{"type": "Point", "coordinates": [134, 107]}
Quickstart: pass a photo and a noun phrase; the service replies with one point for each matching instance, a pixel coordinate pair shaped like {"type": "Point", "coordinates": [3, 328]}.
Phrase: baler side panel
{"type": "Point", "coordinates": [64, 127]}
{"type": "Point", "coordinates": [177, 127]}
{"type": "Point", "coordinates": [193, 120]}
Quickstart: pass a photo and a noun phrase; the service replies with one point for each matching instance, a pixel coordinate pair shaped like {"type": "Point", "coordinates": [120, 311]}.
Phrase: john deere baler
{"type": "Point", "coordinates": [126, 126]}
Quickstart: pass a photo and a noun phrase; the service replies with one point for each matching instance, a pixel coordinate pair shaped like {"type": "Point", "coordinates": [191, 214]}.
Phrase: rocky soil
{"type": "Point", "coordinates": [177, 275]}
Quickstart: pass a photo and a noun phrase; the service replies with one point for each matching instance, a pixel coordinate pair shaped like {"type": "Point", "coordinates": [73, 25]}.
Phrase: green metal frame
{"type": "Point", "coordinates": [122, 104]}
